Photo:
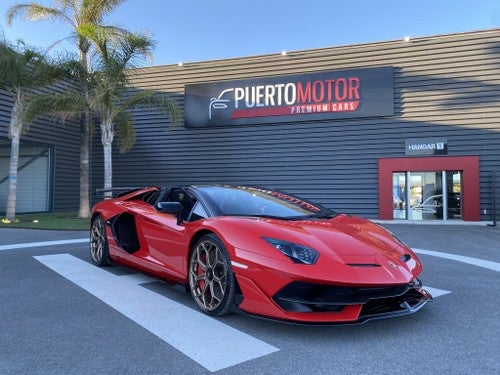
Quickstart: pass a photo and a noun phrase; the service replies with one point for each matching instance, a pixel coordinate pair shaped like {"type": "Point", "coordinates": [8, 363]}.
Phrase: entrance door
{"type": "Point", "coordinates": [460, 187]}
{"type": "Point", "coordinates": [427, 195]}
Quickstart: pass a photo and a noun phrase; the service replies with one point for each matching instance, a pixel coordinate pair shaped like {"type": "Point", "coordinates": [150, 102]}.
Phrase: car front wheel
{"type": "Point", "coordinates": [211, 279]}
{"type": "Point", "coordinates": [99, 251]}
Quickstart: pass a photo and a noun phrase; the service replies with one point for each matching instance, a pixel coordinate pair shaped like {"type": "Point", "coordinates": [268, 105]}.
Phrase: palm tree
{"type": "Point", "coordinates": [81, 16]}
{"type": "Point", "coordinates": [110, 97]}
{"type": "Point", "coordinates": [22, 71]}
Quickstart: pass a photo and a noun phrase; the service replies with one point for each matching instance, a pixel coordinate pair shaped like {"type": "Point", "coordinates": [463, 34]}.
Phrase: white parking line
{"type": "Point", "coordinates": [44, 243]}
{"type": "Point", "coordinates": [460, 258]}
{"type": "Point", "coordinates": [214, 345]}
{"type": "Point", "coordinates": [435, 292]}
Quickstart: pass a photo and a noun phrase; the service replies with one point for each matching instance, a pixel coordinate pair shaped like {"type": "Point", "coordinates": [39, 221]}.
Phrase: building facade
{"type": "Point", "coordinates": [396, 130]}
{"type": "Point", "coordinates": [392, 130]}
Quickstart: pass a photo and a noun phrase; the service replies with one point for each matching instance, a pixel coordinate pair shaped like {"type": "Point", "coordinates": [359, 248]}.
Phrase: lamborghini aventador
{"type": "Point", "coordinates": [261, 252]}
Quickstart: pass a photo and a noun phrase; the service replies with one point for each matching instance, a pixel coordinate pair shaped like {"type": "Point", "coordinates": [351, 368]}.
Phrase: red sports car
{"type": "Point", "coordinates": [261, 252]}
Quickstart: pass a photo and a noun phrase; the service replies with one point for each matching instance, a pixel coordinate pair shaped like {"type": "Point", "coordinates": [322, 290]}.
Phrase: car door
{"type": "Point", "coordinates": [167, 242]}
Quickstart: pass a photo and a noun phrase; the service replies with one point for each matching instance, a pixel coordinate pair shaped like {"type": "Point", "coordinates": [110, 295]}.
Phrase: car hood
{"type": "Point", "coordinates": [344, 235]}
{"type": "Point", "coordinates": [354, 247]}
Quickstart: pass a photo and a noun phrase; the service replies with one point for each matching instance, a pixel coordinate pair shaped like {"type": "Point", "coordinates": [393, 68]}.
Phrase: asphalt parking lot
{"type": "Point", "coordinates": [56, 320]}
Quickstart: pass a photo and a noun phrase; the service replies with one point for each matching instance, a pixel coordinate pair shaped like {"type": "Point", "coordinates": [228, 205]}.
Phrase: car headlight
{"type": "Point", "coordinates": [297, 253]}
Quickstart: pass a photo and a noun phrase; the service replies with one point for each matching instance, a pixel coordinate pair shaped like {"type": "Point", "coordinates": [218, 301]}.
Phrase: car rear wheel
{"type": "Point", "coordinates": [99, 251]}
{"type": "Point", "coordinates": [211, 279]}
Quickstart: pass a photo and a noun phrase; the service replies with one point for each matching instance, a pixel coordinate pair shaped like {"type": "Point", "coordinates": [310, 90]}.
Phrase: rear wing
{"type": "Point", "coordinates": [118, 191]}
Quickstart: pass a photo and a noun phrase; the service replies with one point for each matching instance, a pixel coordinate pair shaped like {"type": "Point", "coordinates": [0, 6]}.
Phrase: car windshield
{"type": "Point", "coordinates": [251, 201]}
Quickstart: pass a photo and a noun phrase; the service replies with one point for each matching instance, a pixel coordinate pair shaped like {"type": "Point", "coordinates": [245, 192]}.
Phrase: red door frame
{"type": "Point", "coordinates": [469, 165]}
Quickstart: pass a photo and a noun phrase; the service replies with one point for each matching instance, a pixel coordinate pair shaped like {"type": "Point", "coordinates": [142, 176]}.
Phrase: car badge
{"type": "Point", "coordinates": [393, 265]}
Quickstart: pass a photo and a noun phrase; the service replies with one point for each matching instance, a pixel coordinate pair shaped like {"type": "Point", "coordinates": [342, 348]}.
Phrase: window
{"type": "Point", "coordinates": [198, 212]}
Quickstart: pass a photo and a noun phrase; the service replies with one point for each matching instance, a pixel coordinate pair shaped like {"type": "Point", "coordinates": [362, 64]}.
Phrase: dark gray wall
{"type": "Point", "coordinates": [65, 141]}
{"type": "Point", "coordinates": [444, 86]}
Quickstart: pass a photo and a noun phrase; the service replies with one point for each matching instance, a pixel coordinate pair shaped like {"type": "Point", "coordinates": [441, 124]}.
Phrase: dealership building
{"type": "Point", "coordinates": [403, 130]}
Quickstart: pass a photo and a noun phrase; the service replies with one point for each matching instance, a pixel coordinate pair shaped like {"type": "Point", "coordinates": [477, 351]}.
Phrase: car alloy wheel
{"type": "Point", "coordinates": [99, 251]}
{"type": "Point", "coordinates": [211, 279]}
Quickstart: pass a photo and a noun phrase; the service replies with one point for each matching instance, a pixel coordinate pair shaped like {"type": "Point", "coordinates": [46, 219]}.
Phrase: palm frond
{"type": "Point", "coordinates": [124, 124]}
{"type": "Point", "coordinates": [60, 106]}
{"type": "Point", "coordinates": [149, 99]}
{"type": "Point", "coordinates": [36, 12]}
{"type": "Point", "coordinates": [135, 48]}
{"type": "Point", "coordinates": [53, 44]}
{"type": "Point", "coordinates": [27, 68]}
{"type": "Point", "coordinates": [95, 10]}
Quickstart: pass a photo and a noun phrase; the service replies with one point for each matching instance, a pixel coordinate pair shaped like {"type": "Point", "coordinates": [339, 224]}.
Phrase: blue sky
{"type": "Point", "coordinates": [197, 30]}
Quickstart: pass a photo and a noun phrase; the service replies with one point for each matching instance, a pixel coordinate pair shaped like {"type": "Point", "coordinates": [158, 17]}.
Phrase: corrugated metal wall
{"type": "Point", "coordinates": [66, 158]}
{"type": "Point", "coordinates": [444, 86]}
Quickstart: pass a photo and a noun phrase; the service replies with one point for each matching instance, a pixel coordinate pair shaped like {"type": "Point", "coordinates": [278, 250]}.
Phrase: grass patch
{"type": "Point", "coordinates": [47, 220]}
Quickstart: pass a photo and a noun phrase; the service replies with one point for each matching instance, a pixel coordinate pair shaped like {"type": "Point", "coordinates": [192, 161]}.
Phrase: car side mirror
{"type": "Point", "coordinates": [174, 208]}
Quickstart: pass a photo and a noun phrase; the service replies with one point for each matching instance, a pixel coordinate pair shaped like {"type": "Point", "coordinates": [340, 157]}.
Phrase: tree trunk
{"type": "Point", "coordinates": [14, 161]}
{"type": "Point", "coordinates": [14, 135]}
{"type": "Point", "coordinates": [107, 135]}
{"type": "Point", "coordinates": [108, 170]}
{"type": "Point", "coordinates": [84, 210]}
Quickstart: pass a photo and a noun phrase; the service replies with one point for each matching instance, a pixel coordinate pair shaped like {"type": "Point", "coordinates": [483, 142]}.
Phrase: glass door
{"type": "Point", "coordinates": [454, 194]}
{"type": "Point", "coordinates": [426, 191]}
{"type": "Point", "coordinates": [427, 195]}
{"type": "Point", "coordinates": [399, 195]}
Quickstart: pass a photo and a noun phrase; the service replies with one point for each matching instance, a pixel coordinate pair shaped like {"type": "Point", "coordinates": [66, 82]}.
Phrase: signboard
{"type": "Point", "coordinates": [307, 97]}
{"type": "Point", "coordinates": [426, 146]}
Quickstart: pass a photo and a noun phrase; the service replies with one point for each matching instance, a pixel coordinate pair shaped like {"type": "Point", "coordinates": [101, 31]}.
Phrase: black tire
{"type": "Point", "coordinates": [211, 278]}
{"type": "Point", "coordinates": [99, 250]}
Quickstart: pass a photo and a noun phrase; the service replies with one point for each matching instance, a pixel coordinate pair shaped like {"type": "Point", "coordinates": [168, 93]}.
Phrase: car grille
{"type": "Point", "coordinates": [308, 297]}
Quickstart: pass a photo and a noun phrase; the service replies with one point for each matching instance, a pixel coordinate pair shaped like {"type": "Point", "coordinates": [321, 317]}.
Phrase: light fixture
{"type": "Point", "coordinates": [180, 64]}
{"type": "Point", "coordinates": [406, 39]}
{"type": "Point", "coordinates": [283, 53]}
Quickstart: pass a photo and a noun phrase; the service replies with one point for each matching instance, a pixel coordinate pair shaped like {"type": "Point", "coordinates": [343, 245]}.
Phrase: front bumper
{"type": "Point", "coordinates": [373, 302]}
{"type": "Point", "coordinates": [279, 290]}
{"type": "Point", "coordinates": [311, 303]}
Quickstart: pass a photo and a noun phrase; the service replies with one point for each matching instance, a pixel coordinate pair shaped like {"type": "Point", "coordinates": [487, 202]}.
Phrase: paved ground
{"type": "Point", "coordinates": [12, 236]}
{"type": "Point", "coordinates": [51, 325]}
{"type": "Point", "coordinates": [473, 241]}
